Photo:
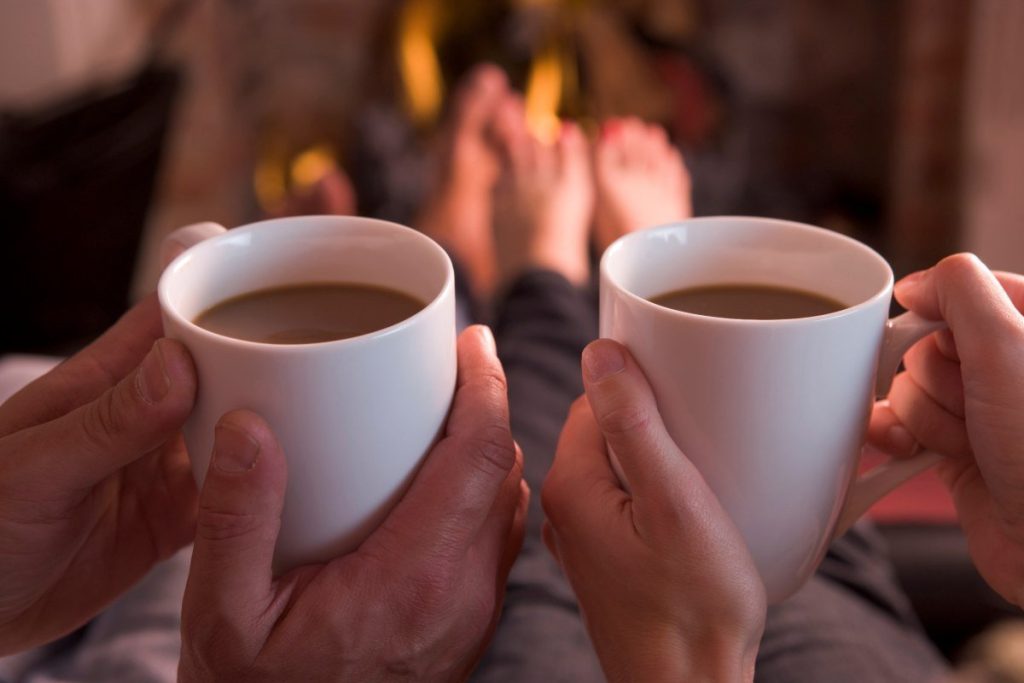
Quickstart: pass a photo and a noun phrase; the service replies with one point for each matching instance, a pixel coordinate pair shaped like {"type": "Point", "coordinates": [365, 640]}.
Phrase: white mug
{"type": "Point", "coordinates": [355, 417]}
{"type": "Point", "coordinates": [773, 413]}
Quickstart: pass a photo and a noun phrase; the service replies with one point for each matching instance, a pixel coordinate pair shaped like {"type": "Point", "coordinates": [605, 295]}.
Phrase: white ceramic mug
{"type": "Point", "coordinates": [772, 412]}
{"type": "Point", "coordinates": [356, 416]}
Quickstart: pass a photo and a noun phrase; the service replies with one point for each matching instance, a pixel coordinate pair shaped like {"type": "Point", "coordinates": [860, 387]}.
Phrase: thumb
{"type": "Point", "coordinates": [129, 420]}
{"type": "Point", "coordinates": [239, 518]}
{"type": "Point", "coordinates": [625, 409]}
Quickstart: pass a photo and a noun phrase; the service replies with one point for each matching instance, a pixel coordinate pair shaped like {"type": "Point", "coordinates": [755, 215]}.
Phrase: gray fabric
{"type": "Point", "coordinates": [136, 640]}
{"type": "Point", "coordinates": [541, 329]}
{"type": "Point", "coordinates": [851, 622]}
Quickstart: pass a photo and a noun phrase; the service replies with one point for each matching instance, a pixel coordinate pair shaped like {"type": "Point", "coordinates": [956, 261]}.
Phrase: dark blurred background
{"type": "Point", "coordinates": [900, 122]}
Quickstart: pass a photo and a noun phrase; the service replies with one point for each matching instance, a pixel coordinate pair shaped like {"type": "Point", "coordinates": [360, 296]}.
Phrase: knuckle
{"type": "Point", "coordinates": [491, 381]}
{"type": "Point", "coordinates": [624, 420]}
{"type": "Point", "coordinates": [449, 593]}
{"type": "Point", "coordinates": [433, 593]}
{"type": "Point", "coordinates": [959, 265]}
{"type": "Point", "coordinates": [104, 420]}
{"type": "Point", "coordinates": [223, 525]}
{"type": "Point", "coordinates": [492, 448]}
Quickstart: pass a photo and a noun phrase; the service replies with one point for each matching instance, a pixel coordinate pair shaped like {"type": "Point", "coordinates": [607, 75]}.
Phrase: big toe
{"type": "Point", "coordinates": [611, 148]}
{"type": "Point", "coordinates": [572, 149]}
{"type": "Point", "coordinates": [510, 123]}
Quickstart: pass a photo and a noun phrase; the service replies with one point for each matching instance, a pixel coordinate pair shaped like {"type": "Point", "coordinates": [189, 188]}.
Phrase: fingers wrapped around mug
{"type": "Point", "coordinates": [962, 390]}
{"type": "Point", "coordinates": [656, 563]}
{"type": "Point", "coordinates": [477, 464]}
{"type": "Point", "coordinates": [961, 396]}
{"type": "Point", "coordinates": [421, 595]}
{"type": "Point", "coordinates": [94, 486]}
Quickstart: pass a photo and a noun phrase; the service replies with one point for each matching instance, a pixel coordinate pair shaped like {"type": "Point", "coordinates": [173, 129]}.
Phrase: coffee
{"type": "Point", "coordinates": [309, 313]}
{"type": "Point", "coordinates": [748, 301]}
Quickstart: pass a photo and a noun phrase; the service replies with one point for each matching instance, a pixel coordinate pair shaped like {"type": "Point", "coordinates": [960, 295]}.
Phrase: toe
{"type": "Point", "coordinates": [634, 142]}
{"type": "Point", "coordinates": [572, 146]}
{"type": "Point", "coordinates": [482, 91]}
{"type": "Point", "coordinates": [612, 147]}
{"type": "Point", "coordinates": [509, 128]}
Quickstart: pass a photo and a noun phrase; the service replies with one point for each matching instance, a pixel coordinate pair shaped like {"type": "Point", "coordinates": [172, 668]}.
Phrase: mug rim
{"type": "Point", "coordinates": [622, 243]}
{"type": "Point", "coordinates": [180, 262]}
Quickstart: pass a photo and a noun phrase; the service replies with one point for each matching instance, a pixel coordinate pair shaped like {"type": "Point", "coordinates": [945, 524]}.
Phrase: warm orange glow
{"type": "Point", "coordinates": [270, 183]}
{"type": "Point", "coordinates": [273, 178]}
{"type": "Point", "coordinates": [311, 165]}
{"type": "Point", "coordinates": [418, 62]}
{"type": "Point", "coordinates": [543, 95]}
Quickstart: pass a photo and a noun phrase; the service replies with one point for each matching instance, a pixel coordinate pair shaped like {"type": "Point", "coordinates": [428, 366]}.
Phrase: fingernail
{"type": "Point", "coordinates": [487, 336]}
{"type": "Point", "coordinates": [152, 379]}
{"type": "Point", "coordinates": [899, 441]}
{"type": "Point", "coordinates": [234, 450]}
{"type": "Point", "coordinates": [602, 360]}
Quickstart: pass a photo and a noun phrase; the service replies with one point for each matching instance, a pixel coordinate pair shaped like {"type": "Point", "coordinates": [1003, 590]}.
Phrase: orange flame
{"type": "Point", "coordinates": [543, 96]}
{"type": "Point", "coordinates": [418, 62]}
{"type": "Point", "coordinates": [274, 176]}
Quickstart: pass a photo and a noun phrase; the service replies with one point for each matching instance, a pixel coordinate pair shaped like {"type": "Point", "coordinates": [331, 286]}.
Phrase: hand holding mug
{"type": "Point", "coordinates": [962, 395]}
{"type": "Point", "coordinates": [355, 410]}
{"type": "Point", "coordinates": [417, 600]}
{"type": "Point", "coordinates": [664, 579]}
{"type": "Point", "coordinates": [95, 484]}
{"type": "Point", "coordinates": [771, 409]}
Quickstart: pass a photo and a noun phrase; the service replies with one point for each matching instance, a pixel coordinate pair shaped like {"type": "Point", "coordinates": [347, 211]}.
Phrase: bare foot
{"type": "Point", "coordinates": [458, 211]}
{"type": "Point", "coordinates": [544, 204]}
{"type": "Point", "coordinates": [641, 180]}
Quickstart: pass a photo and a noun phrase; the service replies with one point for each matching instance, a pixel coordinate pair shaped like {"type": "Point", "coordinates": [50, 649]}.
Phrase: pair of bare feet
{"type": "Point", "coordinates": [505, 202]}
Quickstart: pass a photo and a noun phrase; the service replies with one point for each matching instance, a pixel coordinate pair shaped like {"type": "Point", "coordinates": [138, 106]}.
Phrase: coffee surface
{"type": "Point", "coordinates": [309, 313]}
{"type": "Point", "coordinates": [748, 302]}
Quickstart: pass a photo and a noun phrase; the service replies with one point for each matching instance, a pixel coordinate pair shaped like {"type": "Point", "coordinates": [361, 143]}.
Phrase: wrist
{"type": "Point", "coordinates": [671, 655]}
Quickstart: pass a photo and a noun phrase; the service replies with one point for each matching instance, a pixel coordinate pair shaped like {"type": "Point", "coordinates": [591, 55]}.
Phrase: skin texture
{"type": "Point", "coordinates": [544, 202]}
{"type": "Point", "coordinates": [666, 585]}
{"type": "Point", "coordinates": [95, 484]}
{"type": "Point", "coordinates": [418, 600]}
{"type": "Point", "coordinates": [962, 395]}
{"type": "Point", "coordinates": [459, 207]}
{"type": "Point", "coordinates": [641, 180]}
{"type": "Point", "coordinates": [95, 487]}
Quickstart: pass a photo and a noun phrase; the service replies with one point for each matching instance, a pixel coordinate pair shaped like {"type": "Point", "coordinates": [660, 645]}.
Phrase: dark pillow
{"type": "Point", "coordinates": [76, 181]}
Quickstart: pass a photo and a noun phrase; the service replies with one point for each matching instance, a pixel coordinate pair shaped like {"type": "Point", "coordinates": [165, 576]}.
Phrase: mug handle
{"type": "Point", "coordinates": [901, 333]}
{"type": "Point", "coordinates": [181, 239]}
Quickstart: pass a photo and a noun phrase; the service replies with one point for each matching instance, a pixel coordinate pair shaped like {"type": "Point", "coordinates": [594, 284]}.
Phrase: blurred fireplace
{"type": "Point", "coordinates": [845, 114]}
{"type": "Point", "coordinates": [848, 114]}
